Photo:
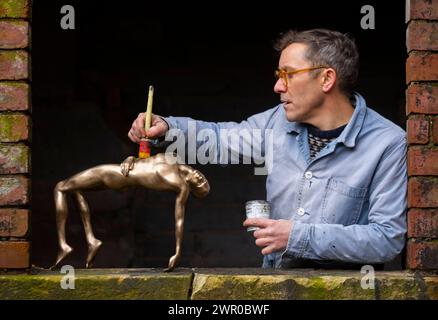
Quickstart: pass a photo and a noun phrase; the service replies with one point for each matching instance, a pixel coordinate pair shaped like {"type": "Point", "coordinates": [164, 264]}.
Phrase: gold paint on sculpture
{"type": "Point", "coordinates": [160, 172]}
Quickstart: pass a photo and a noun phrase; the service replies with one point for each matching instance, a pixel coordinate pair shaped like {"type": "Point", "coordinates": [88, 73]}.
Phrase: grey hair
{"type": "Point", "coordinates": [328, 48]}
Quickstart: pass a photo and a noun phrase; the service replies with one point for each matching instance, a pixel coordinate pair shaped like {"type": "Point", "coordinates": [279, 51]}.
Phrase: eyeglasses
{"type": "Point", "coordinates": [285, 75]}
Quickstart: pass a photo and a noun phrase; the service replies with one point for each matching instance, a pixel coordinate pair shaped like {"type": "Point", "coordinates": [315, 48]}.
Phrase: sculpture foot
{"type": "Point", "coordinates": [62, 254]}
{"type": "Point", "coordinates": [172, 263]}
{"type": "Point", "coordinates": [92, 251]}
{"type": "Point", "coordinates": [169, 269]}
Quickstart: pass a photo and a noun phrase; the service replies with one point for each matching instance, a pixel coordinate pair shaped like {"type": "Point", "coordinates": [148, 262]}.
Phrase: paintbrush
{"type": "Point", "coordinates": [145, 148]}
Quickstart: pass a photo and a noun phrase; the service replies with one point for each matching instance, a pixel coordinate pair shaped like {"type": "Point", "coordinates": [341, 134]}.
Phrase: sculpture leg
{"type": "Point", "coordinates": [61, 218]}
{"type": "Point", "coordinates": [93, 243]}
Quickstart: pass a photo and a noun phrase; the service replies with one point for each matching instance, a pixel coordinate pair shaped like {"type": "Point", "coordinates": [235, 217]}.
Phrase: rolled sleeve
{"type": "Point", "coordinates": [298, 239]}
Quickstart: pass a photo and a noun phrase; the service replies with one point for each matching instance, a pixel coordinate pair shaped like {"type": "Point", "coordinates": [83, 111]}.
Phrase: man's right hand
{"type": "Point", "coordinates": [158, 128]}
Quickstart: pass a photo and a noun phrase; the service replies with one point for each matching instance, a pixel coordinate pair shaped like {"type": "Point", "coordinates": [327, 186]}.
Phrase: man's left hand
{"type": "Point", "coordinates": [272, 236]}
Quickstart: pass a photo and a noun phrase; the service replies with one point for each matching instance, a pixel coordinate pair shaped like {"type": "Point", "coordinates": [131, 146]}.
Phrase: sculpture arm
{"type": "Point", "coordinates": [179, 226]}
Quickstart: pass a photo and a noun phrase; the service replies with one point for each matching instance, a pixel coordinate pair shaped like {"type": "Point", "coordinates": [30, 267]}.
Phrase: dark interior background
{"type": "Point", "coordinates": [210, 61]}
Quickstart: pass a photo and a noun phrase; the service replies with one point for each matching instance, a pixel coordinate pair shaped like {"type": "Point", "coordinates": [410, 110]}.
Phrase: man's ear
{"type": "Point", "coordinates": [328, 79]}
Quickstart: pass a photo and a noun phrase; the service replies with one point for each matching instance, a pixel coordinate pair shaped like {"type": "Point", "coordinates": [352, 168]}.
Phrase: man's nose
{"type": "Point", "coordinates": [279, 86]}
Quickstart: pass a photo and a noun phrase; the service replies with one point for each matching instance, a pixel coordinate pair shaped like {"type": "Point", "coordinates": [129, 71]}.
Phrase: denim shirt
{"type": "Point", "coordinates": [349, 202]}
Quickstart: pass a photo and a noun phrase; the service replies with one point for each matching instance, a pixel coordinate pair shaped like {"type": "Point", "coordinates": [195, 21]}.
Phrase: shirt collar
{"type": "Point", "coordinates": [351, 131]}
{"type": "Point", "coordinates": [292, 126]}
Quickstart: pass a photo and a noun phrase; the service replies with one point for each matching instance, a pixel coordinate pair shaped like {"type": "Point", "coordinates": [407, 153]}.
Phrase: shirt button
{"type": "Point", "coordinates": [308, 175]}
{"type": "Point", "coordinates": [301, 211]}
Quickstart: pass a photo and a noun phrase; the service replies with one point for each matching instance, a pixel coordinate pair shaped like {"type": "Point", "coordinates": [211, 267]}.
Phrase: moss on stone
{"type": "Point", "coordinates": [12, 54]}
{"type": "Point", "coordinates": [14, 8]}
{"type": "Point", "coordinates": [8, 123]}
{"type": "Point", "coordinates": [278, 287]}
{"type": "Point", "coordinates": [399, 288]}
{"type": "Point", "coordinates": [431, 284]}
{"type": "Point", "coordinates": [98, 287]}
{"type": "Point", "coordinates": [234, 287]}
{"type": "Point", "coordinates": [103, 284]}
{"type": "Point", "coordinates": [332, 288]}
{"type": "Point", "coordinates": [14, 84]}
{"type": "Point", "coordinates": [23, 158]}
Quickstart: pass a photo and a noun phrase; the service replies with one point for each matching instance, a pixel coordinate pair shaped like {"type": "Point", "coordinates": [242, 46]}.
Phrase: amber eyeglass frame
{"type": "Point", "coordinates": [284, 75]}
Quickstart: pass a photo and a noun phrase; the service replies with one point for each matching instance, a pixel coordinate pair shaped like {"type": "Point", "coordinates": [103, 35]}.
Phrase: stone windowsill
{"type": "Point", "coordinates": [224, 284]}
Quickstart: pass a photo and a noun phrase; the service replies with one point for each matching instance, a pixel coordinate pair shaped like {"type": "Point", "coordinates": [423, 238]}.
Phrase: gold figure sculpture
{"type": "Point", "coordinates": [160, 172]}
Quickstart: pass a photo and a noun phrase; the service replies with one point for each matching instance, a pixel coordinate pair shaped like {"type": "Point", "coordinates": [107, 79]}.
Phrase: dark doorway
{"type": "Point", "coordinates": [209, 61]}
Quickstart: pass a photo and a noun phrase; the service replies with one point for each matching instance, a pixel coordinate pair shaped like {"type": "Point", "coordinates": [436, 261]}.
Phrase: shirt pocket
{"type": "Point", "coordinates": [342, 203]}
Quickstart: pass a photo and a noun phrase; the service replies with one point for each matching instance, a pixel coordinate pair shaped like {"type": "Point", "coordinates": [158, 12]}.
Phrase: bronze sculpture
{"type": "Point", "coordinates": [160, 172]}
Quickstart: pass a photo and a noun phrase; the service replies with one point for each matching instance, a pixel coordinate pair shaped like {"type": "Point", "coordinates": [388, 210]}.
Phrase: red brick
{"type": "Point", "coordinates": [418, 130]}
{"type": "Point", "coordinates": [422, 161]}
{"type": "Point", "coordinates": [423, 9]}
{"type": "Point", "coordinates": [14, 222]}
{"type": "Point", "coordinates": [14, 127]}
{"type": "Point", "coordinates": [13, 65]}
{"type": "Point", "coordinates": [423, 192]}
{"type": "Point", "coordinates": [14, 96]}
{"type": "Point", "coordinates": [422, 66]}
{"type": "Point", "coordinates": [422, 35]}
{"type": "Point", "coordinates": [14, 254]}
{"type": "Point", "coordinates": [422, 98]}
{"type": "Point", "coordinates": [423, 223]}
{"type": "Point", "coordinates": [15, 8]}
{"type": "Point", "coordinates": [14, 190]}
{"type": "Point", "coordinates": [14, 34]}
{"type": "Point", "coordinates": [422, 254]}
{"type": "Point", "coordinates": [14, 158]}
{"type": "Point", "coordinates": [435, 130]}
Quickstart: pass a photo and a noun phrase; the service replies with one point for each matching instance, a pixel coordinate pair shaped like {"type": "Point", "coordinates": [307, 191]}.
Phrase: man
{"type": "Point", "coordinates": [161, 172]}
{"type": "Point", "coordinates": [338, 182]}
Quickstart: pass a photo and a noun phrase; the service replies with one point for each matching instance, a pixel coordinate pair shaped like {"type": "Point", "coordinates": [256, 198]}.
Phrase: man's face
{"type": "Point", "coordinates": [302, 97]}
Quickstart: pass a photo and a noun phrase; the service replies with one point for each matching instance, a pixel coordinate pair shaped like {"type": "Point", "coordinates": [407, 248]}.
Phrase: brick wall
{"type": "Point", "coordinates": [422, 128]}
{"type": "Point", "coordinates": [14, 133]}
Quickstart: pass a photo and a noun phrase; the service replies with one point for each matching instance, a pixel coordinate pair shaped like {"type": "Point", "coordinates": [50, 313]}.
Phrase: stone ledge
{"type": "Point", "coordinates": [307, 284]}
{"type": "Point", "coordinates": [223, 284]}
{"type": "Point", "coordinates": [98, 284]}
